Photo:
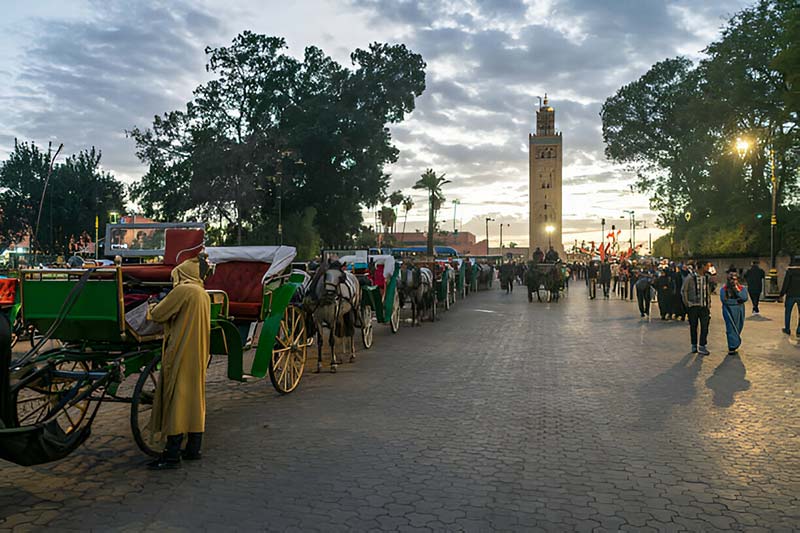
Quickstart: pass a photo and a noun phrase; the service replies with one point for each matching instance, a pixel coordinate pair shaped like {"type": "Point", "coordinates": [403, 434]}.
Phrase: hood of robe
{"type": "Point", "coordinates": [190, 272]}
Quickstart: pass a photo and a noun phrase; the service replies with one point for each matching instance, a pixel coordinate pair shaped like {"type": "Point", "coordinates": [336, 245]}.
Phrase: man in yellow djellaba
{"type": "Point", "coordinates": [179, 406]}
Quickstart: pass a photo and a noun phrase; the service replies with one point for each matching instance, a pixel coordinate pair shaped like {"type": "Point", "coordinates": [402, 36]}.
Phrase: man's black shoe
{"type": "Point", "coordinates": [191, 456]}
{"type": "Point", "coordinates": [786, 331]}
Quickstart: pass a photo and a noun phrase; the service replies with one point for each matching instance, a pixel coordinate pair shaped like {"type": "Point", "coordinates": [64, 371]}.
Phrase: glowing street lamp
{"type": "Point", "coordinates": [743, 146]}
{"type": "Point", "coordinates": [550, 230]}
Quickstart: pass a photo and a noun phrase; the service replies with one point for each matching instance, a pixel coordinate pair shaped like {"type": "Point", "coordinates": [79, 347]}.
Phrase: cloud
{"type": "Point", "coordinates": [84, 82]}
{"type": "Point", "coordinates": [86, 78]}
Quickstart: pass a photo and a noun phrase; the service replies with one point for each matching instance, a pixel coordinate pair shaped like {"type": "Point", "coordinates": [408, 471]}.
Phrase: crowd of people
{"type": "Point", "coordinates": [684, 291]}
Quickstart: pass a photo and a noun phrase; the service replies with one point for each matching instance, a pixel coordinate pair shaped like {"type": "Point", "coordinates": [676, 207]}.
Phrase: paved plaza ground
{"type": "Point", "coordinates": [502, 416]}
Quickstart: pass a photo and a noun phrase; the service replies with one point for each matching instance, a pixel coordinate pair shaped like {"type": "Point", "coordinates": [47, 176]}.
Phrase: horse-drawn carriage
{"type": "Point", "coordinates": [108, 352]}
{"type": "Point", "coordinates": [379, 276]}
{"type": "Point", "coordinates": [545, 280]}
{"type": "Point", "coordinates": [482, 275]}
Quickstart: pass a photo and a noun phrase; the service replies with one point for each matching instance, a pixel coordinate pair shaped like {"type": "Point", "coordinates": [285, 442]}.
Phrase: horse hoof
{"type": "Point", "coordinates": [353, 359]}
{"type": "Point", "coordinates": [318, 370]}
{"type": "Point", "coordinates": [333, 369]}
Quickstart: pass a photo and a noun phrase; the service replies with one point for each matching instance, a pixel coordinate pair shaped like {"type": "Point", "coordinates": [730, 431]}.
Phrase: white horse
{"type": "Point", "coordinates": [416, 285]}
{"type": "Point", "coordinates": [337, 302]}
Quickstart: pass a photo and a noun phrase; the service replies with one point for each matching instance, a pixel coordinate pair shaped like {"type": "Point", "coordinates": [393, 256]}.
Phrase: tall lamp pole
{"type": "Point", "coordinates": [488, 219]}
{"type": "Point", "coordinates": [743, 147]}
{"type": "Point", "coordinates": [550, 230]}
{"type": "Point", "coordinates": [455, 207]}
{"type": "Point", "coordinates": [501, 236]}
{"type": "Point", "coordinates": [632, 229]}
{"type": "Point", "coordinates": [603, 230]}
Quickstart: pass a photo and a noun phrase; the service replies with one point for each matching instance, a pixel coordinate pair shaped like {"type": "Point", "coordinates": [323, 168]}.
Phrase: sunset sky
{"type": "Point", "coordinates": [83, 75]}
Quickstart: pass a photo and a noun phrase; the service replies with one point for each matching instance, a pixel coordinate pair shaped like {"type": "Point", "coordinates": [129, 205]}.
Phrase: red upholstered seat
{"type": "Point", "coordinates": [241, 280]}
{"type": "Point", "coordinates": [155, 272]}
{"type": "Point", "coordinates": [182, 244]}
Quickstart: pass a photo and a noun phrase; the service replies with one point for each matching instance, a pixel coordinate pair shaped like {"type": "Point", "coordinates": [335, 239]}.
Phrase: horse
{"type": "Point", "coordinates": [336, 297]}
{"type": "Point", "coordinates": [485, 273]}
{"type": "Point", "coordinates": [416, 285]}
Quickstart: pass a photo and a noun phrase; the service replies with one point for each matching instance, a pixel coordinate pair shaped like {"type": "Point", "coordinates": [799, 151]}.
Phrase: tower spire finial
{"type": "Point", "coordinates": [545, 99]}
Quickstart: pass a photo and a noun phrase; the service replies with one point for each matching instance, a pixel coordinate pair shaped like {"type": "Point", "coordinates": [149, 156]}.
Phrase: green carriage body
{"type": "Point", "coordinates": [384, 304]}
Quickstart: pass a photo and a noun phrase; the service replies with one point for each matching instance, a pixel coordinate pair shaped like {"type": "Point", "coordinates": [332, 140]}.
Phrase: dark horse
{"type": "Point", "coordinates": [416, 286]}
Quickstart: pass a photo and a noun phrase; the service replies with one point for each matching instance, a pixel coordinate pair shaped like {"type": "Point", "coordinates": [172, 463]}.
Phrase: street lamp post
{"type": "Point", "coordinates": [455, 207]}
{"type": "Point", "coordinates": [632, 228]}
{"type": "Point", "coordinates": [550, 230]}
{"type": "Point", "coordinates": [488, 219]}
{"type": "Point", "coordinates": [603, 230]}
{"type": "Point", "coordinates": [501, 236]}
{"type": "Point", "coordinates": [743, 147]}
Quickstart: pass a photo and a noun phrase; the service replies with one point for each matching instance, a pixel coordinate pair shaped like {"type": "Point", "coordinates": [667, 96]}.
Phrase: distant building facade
{"type": "Point", "coordinates": [545, 164]}
{"type": "Point", "coordinates": [462, 241]}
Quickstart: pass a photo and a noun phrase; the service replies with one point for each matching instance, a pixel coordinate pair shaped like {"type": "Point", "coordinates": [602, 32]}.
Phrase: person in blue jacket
{"type": "Point", "coordinates": [733, 296]}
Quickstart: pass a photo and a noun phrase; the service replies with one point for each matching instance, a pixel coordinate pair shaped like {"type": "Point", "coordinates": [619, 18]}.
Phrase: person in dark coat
{"type": "Point", "coordinates": [551, 256]}
{"type": "Point", "coordinates": [791, 291]}
{"type": "Point", "coordinates": [605, 277]}
{"type": "Point", "coordinates": [665, 289]}
{"type": "Point", "coordinates": [538, 255]}
{"type": "Point", "coordinates": [591, 279]}
{"type": "Point", "coordinates": [644, 286]}
{"type": "Point", "coordinates": [755, 283]}
{"type": "Point", "coordinates": [678, 275]}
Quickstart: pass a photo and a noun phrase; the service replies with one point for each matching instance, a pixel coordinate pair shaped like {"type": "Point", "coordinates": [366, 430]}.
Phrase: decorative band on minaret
{"type": "Point", "coordinates": [545, 164]}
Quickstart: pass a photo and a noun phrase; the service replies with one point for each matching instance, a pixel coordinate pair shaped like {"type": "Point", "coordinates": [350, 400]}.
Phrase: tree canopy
{"type": "Point", "coordinates": [677, 125]}
{"type": "Point", "coordinates": [78, 191]}
{"type": "Point", "coordinates": [272, 134]}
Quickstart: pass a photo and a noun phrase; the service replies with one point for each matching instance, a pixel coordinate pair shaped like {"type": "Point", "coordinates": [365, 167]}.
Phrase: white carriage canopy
{"type": "Point", "coordinates": [278, 257]}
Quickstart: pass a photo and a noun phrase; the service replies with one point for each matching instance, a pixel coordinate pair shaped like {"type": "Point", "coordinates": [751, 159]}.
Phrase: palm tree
{"type": "Point", "coordinates": [408, 205]}
{"type": "Point", "coordinates": [432, 183]}
{"type": "Point", "coordinates": [395, 199]}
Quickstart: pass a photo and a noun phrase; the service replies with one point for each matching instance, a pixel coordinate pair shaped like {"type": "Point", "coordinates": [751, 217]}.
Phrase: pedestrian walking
{"type": "Point", "coordinates": [696, 295]}
{"type": "Point", "coordinates": [791, 291]}
{"type": "Point", "coordinates": [605, 277]}
{"type": "Point", "coordinates": [665, 290]}
{"type": "Point", "coordinates": [678, 276]}
{"type": "Point", "coordinates": [755, 284]}
{"type": "Point", "coordinates": [643, 287]}
{"type": "Point", "coordinates": [179, 406]}
{"type": "Point", "coordinates": [624, 273]}
{"type": "Point", "coordinates": [733, 297]}
{"type": "Point", "coordinates": [591, 279]}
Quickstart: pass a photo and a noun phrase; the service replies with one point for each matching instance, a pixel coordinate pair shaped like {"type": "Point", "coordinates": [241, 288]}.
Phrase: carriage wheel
{"type": "Point", "coordinates": [433, 308]}
{"type": "Point", "coordinates": [367, 326]}
{"type": "Point", "coordinates": [549, 295]}
{"type": "Point", "coordinates": [447, 301]}
{"type": "Point", "coordinates": [142, 405]}
{"type": "Point", "coordinates": [16, 330]}
{"type": "Point", "coordinates": [35, 402]}
{"type": "Point", "coordinates": [289, 354]}
{"type": "Point", "coordinates": [394, 320]}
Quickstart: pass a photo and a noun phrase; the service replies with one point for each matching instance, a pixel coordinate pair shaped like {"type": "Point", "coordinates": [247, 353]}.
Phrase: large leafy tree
{"type": "Point", "coordinates": [677, 125]}
{"type": "Point", "coordinates": [431, 183]}
{"type": "Point", "coordinates": [273, 134]}
{"type": "Point", "coordinates": [77, 192]}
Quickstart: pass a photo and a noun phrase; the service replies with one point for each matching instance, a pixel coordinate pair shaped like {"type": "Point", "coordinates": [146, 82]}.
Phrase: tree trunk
{"type": "Point", "coordinates": [430, 224]}
{"type": "Point", "coordinates": [402, 238]}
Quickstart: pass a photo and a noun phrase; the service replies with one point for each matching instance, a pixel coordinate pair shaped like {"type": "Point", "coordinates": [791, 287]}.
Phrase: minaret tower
{"type": "Point", "coordinates": [545, 181]}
